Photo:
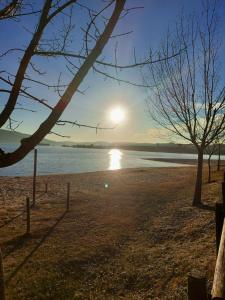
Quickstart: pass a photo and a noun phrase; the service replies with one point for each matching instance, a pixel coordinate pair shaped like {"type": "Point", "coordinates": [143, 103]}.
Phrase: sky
{"type": "Point", "coordinates": [148, 25]}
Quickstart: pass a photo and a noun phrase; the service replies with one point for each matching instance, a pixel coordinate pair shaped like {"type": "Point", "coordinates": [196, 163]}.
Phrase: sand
{"type": "Point", "coordinates": [129, 234]}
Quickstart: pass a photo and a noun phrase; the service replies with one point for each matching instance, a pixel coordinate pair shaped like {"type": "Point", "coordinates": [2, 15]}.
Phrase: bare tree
{"type": "Point", "coordinates": [10, 9]}
{"type": "Point", "coordinates": [214, 149]}
{"type": "Point", "coordinates": [16, 85]}
{"type": "Point", "coordinates": [189, 98]}
{"type": "Point", "coordinates": [51, 41]}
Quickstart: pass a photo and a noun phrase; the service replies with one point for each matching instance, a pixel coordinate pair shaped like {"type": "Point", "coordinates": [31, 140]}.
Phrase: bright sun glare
{"type": "Point", "coordinates": [117, 115]}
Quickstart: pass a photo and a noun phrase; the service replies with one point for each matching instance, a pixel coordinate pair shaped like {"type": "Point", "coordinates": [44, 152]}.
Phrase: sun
{"type": "Point", "coordinates": [117, 115]}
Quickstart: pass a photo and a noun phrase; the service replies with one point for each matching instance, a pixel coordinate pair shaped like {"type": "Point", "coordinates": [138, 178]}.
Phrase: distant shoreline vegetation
{"type": "Point", "coordinates": [79, 146]}
{"type": "Point", "coordinates": [167, 148]}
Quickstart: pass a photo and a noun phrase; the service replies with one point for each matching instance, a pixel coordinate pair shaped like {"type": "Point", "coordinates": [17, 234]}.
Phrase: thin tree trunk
{"type": "Point", "coordinates": [218, 162]}
{"type": "Point", "coordinates": [2, 283]}
{"type": "Point", "coordinates": [209, 168]}
{"type": "Point", "coordinates": [198, 183]}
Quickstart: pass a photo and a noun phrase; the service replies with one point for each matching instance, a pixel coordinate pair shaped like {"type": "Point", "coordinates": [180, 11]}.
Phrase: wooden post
{"type": "Point", "coordinates": [2, 282]}
{"type": "Point", "coordinates": [68, 197]}
{"type": "Point", "coordinates": [34, 177]}
{"type": "Point", "coordinates": [46, 187]}
{"type": "Point", "coordinates": [223, 176]}
{"type": "Point", "coordinates": [28, 215]}
{"type": "Point", "coordinates": [219, 223]}
{"type": "Point", "coordinates": [197, 288]}
{"type": "Point", "coordinates": [218, 288]}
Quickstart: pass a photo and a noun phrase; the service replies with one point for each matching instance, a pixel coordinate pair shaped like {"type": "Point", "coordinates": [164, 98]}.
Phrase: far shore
{"type": "Point", "coordinates": [163, 148]}
{"type": "Point", "coordinates": [183, 161]}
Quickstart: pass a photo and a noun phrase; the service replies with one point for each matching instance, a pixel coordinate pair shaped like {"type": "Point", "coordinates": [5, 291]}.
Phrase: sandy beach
{"type": "Point", "coordinates": [129, 234]}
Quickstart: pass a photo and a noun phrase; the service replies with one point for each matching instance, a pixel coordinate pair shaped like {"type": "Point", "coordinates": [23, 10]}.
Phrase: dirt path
{"type": "Point", "coordinates": [129, 234]}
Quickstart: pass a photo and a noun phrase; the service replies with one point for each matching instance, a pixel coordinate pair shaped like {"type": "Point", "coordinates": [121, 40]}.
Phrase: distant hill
{"type": "Point", "coordinates": [14, 137]}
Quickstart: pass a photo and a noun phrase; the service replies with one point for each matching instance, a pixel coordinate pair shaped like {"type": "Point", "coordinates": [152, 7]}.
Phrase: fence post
{"type": "Point", "coordinates": [2, 282]}
{"type": "Point", "coordinates": [46, 187]}
{"type": "Point", "coordinates": [219, 215]}
{"type": "Point", "coordinates": [68, 197]}
{"type": "Point", "coordinates": [197, 288]}
{"type": "Point", "coordinates": [34, 177]}
{"type": "Point", "coordinates": [28, 215]}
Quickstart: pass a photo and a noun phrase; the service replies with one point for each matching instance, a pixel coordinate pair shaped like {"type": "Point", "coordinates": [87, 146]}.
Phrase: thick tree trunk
{"type": "Point", "coordinates": [198, 183]}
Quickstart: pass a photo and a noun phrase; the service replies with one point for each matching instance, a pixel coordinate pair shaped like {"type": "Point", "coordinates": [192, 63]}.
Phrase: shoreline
{"type": "Point", "coordinates": [175, 165]}
{"type": "Point", "coordinates": [183, 161]}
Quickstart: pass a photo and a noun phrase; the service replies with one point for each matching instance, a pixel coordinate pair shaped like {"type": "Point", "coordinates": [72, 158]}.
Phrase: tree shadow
{"type": "Point", "coordinates": [14, 244]}
{"type": "Point", "coordinates": [206, 207]}
{"type": "Point", "coordinates": [24, 239]}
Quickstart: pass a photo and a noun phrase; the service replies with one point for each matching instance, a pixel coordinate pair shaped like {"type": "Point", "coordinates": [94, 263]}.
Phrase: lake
{"type": "Point", "coordinates": [57, 159]}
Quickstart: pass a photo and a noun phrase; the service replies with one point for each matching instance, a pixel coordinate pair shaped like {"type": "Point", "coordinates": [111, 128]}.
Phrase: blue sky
{"type": "Point", "coordinates": [148, 25]}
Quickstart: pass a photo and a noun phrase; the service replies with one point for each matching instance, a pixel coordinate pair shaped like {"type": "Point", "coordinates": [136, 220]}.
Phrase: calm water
{"type": "Point", "coordinates": [56, 159]}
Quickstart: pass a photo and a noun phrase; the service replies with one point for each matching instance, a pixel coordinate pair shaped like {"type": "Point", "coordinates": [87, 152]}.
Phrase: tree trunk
{"type": "Point", "coordinates": [198, 183]}
{"type": "Point", "coordinates": [209, 168]}
{"type": "Point", "coordinates": [218, 162]}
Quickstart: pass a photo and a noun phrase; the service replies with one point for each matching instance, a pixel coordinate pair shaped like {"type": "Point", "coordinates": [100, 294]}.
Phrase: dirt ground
{"type": "Point", "coordinates": [129, 234]}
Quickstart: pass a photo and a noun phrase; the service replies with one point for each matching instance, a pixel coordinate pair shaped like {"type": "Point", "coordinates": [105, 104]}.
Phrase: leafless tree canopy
{"type": "Point", "coordinates": [189, 94]}
{"type": "Point", "coordinates": [49, 39]}
{"type": "Point", "coordinates": [70, 34]}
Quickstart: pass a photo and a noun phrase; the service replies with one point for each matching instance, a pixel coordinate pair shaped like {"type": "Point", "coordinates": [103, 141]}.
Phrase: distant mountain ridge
{"type": "Point", "coordinates": [14, 137]}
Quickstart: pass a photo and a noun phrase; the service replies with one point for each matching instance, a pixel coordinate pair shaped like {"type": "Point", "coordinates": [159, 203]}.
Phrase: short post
{"type": "Point", "coordinates": [68, 197]}
{"type": "Point", "coordinates": [219, 223]}
{"type": "Point", "coordinates": [46, 187]}
{"type": "Point", "coordinates": [2, 281]}
{"type": "Point", "coordinates": [28, 215]}
{"type": "Point", "coordinates": [197, 288]}
{"type": "Point", "coordinates": [223, 176]}
{"type": "Point", "coordinates": [34, 177]}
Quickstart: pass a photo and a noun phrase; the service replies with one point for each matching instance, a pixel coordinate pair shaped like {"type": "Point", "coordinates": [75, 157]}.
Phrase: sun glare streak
{"type": "Point", "coordinates": [115, 159]}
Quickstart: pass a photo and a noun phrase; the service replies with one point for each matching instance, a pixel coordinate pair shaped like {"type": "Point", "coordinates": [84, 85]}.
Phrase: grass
{"type": "Point", "coordinates": [137, 239]}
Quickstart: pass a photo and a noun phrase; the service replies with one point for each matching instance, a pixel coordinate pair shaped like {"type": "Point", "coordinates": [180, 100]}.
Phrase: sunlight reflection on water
{"type": "Point", "coordinates": [115, 156]}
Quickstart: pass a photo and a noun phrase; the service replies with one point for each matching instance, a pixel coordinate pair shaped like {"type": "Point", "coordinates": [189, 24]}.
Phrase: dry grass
{"type": "Point", "coordinates": [137, 239]}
